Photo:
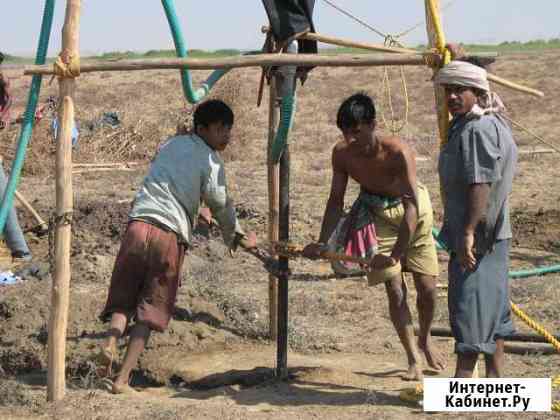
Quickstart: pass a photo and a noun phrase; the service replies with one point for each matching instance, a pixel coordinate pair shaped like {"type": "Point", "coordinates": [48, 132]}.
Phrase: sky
{"type": "Point", "coordinates": [140, 25]}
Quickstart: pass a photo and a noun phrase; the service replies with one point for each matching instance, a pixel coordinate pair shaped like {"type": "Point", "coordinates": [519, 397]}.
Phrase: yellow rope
{"type": "Point", "coordinates": [391, 42]}
{"type": "Point", "coordinates": [412, 395]}
{"type": "Point", "coordinates": [536, 326]}
{"type": "Point", "coordinates": [67, 65]}
{"type": "Point", "coordinates": [548, 337]}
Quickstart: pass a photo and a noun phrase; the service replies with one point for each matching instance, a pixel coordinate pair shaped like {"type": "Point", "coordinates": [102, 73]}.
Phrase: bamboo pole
{"type": "Point", "coordinates": [61, 280]}
{"type": "Point", "coordinates": [313, 36]}
{"type": "Point", "coordinates": [382, 48]}
{"type": "Point", "coordinates": [439, 93]}
{"type": "Point", "coordinates": [353, 44]}
{"type": "Point", "coordinates": [110, 169]}
{"type": "Point", "coordinates": [515, 86]}
{"type": "Point", "coordinates": [316, 60]}
{"type": "Point", "coordinates": [107, 165]}
{"type": "Point", "coordinates": [312, 60]}
{"type": "Point", "coordinates": [519, 337]}
{"type": "Point", "coordinates": [378, 47]}
{"type": "Point", "coordinates": [273, 202]}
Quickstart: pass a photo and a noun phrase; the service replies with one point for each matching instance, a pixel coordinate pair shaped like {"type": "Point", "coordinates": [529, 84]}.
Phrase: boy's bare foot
{"type": "Point", "coordinates": [118, 388]}
{"type": "Point", "coordinates": [434, 359]}
{"type": "Point", "coordinates": [414, 373]}
{"type": "Point", "coordinates": [107, 354]}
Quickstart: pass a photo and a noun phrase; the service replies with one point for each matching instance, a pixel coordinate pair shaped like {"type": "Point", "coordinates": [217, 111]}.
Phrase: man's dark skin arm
{"type": "Point", "coordinates": [477, 203]}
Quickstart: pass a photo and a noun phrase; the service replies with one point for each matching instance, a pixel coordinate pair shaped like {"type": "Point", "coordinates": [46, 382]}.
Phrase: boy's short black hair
{"type": "Point", "coordinates": [356, 109]}
{"type": "Point", "coordinates": [213, 111]}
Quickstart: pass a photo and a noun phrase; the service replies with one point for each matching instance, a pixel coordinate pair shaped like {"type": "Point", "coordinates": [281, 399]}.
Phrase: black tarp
{"type": "Point", "coordinates": [290, 17]}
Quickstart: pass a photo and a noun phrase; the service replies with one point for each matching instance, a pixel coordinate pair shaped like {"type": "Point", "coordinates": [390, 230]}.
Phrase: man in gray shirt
{"type": "Point", "coordinates": [187, 170]}
{"type": "Point", "coordinates": [476, 168]}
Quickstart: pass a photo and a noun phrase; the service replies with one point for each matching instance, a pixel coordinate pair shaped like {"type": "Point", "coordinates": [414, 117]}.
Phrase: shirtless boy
{"type": "Point", "coordinates": [393, 215]}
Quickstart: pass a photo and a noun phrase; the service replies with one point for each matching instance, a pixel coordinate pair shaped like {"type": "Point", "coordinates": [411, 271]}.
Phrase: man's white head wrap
{"type": "Point", "coordinates": [462, 73]}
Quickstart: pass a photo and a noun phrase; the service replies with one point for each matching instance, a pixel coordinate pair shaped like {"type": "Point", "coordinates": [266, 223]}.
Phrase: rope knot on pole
{"type": "Point", "coordinates": [67, 65]}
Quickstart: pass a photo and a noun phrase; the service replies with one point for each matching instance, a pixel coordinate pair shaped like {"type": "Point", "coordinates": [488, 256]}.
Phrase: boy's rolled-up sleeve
{"type": "Point", "coordinates": [214, 194]}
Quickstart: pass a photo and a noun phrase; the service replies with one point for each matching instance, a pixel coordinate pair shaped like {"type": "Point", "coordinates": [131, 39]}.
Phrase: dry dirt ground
{"type": "Point", "coordinates": [215, 360]}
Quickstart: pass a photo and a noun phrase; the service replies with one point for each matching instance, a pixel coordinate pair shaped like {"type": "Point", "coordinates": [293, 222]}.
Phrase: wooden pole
{"type": "Point", "coordinates": [27, 205]}
{"type": "Point", "coordinates": [273, 203]}
{"type": "Point", "coordinates": [259, 60]}
{"type": "Point", "coordinates": [313, 36]}
{"type": "Point", "coordinates": [520, 337]}
{"type": "Point", "coordinates": [514, 86]}
{"type": "Point", "coordinates": [352, 44]}
{"type": "Point", "coordinates": [61, 280]}
{"type": "Point", "coordinates": [283, 265]}
{"type": "Point", "coordinates": [313, 60]}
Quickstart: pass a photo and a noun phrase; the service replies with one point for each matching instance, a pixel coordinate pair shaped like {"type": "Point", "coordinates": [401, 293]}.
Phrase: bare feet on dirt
{"type": "Point", "coordinates": [107, 354]}
{"type": "Point", "coordinates": [118, 388]}
{"type": "Point", "coordinates": [433, 358]}
{"type": "Point", "coordinates": [414, 373]}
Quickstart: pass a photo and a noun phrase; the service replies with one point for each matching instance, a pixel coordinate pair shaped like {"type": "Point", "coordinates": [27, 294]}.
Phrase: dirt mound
{"type": "Point", "coordinates": [536, 229]}
{"type": "Point", "coordinates": [105, 219]}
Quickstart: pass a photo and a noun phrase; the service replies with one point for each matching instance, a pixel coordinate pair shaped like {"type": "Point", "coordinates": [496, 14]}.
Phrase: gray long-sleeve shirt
{"type": "Point", "coordinates": [480, 150]}
{"type": "Point", "coordinates": [185, 172]}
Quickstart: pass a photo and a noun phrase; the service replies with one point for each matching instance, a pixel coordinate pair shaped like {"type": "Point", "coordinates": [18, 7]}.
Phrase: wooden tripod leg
{"type": "Point", "coordinates": [41, 223]}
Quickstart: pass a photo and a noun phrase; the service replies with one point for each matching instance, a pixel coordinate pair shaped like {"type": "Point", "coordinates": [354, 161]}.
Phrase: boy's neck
{"type": "Point", "coordinates": [203, 139]}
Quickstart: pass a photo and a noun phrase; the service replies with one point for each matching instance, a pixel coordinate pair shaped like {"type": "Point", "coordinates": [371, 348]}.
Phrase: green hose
{"type": "Point", "coordinates": [440, 246]}
{"type": "Point", "coordinates": [287, 112]}
{"type": "Point", "coordinates": [537, 271]}
{"type": "Point", "coordinates": [29, 117]}
{"type": "Point", "coordinates": [190, 94]}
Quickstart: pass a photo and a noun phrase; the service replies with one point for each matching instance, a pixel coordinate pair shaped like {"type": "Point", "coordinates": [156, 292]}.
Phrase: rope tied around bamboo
{"type": "Point", "coordinates": [67, 65]}
{"type": "Point", "coordinates": [55, 221]}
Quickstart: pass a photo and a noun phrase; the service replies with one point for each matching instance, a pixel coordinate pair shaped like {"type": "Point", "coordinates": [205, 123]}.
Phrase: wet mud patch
{"type": "Point", "coordinates": [103, 218]}
{"type": "Point", "coordinates": [22, 361]}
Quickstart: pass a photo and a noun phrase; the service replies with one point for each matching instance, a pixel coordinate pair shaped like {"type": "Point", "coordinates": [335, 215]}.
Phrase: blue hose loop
{"type": "Point", "coordinates": [537, 271]}
{"type": "Point", "coordinates": [29, 116]}
{"type": "Point", "coordinates": [191, 95]}
{"type": "Point", "coordinates": [287, 112]}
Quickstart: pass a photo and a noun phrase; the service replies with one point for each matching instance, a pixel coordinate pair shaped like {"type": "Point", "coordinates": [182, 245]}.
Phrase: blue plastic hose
{"type": "Point", "coordinates": [190, 94]}
{"type": "Point", "coordinates": [29, 117]}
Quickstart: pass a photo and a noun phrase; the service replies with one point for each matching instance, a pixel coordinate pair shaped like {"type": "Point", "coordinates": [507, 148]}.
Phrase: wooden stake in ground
{"type": "Point", "coordinates": [273, 200]}
{"type": "Point", "coordinates": [41, 224]}
{"type": "Point", "coordinates": [61, 280]}
{"type": "Point", "coordinates": [283, 266]}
